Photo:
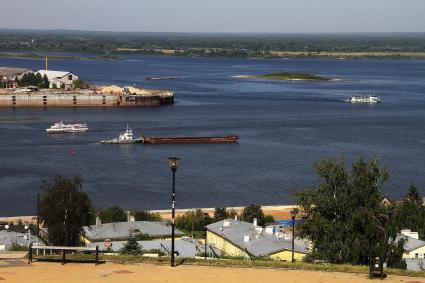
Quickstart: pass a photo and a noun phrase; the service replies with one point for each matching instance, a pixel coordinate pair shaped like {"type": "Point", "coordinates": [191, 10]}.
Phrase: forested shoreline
{"type": "Point", "coordinates": [112, 44]}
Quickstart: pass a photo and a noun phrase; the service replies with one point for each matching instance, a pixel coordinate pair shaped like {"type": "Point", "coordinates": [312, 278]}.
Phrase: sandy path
{"type": "Point", "coordinates": [20, 271]}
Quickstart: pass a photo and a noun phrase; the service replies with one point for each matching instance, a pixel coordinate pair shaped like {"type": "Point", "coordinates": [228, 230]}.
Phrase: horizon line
{"type": "Point", "coordinates": [216, 32]}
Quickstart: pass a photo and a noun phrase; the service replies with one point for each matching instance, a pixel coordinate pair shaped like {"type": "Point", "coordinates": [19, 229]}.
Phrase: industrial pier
{"type": "Point", "coordinates": [80, 98]}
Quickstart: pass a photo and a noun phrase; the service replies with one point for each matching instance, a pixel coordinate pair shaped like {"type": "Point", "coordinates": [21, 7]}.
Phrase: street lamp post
{"type": "Point", "coordinates": [293, 212]}
{"type": "Point", "coordinates": [27, 227]}
{"type": "Point", "coordinates": [173, 162]}
{"type": "Point", "coordinates": [205, 234]}
{"type": "Point", "coordinates": [38, 217]}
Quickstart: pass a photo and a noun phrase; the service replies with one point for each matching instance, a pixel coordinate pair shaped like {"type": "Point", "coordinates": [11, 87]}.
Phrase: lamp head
{"type": "Point", "coordinates": [294, 212]}
{"type": "Point", "coordinates": [173, 162]}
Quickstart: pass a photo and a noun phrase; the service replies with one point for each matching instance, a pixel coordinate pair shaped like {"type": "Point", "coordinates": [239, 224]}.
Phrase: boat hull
{"type": "Point", "coordinates": [189, 140]}
{"type": "Point", "coordinates": [115, 141]}
{"type": "Point", "coordinates": [65, 131]}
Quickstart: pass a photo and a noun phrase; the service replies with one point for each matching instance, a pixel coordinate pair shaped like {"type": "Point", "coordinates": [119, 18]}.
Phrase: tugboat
{"type": "Point", "coordinates": [60, 128]}
{"type": "Point", "coordinates": [371, 99]}
{"type": "Point", "coordinates": [124, 138]}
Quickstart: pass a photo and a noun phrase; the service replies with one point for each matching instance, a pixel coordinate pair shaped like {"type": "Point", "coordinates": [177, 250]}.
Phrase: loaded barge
{"type": "Point", "coordinates": [177, 140]}
{"type": "Point", "coordinates": [127, 138]}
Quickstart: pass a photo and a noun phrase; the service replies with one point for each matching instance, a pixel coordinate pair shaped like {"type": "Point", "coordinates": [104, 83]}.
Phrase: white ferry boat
{"type": "Point", "coordinates": [60, 128]}
{"type": "Point", "coordinates": [364, 99]}
{"type": "Point", "coordinates": [124, 138]}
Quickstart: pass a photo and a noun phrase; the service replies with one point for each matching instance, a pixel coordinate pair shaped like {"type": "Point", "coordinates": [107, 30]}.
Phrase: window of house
{"type": "Point", "coordinates": [416, 255]}
{"type": "Point", "coordinates": [70, 77]}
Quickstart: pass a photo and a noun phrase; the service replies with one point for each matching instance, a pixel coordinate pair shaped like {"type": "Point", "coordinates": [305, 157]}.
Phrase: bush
{"type": "Point", "coordinates": [15, 247]}
{"type": "Point", "coordinates": [154, 251]}
{"type": "Point", "coordinates": [80, 84]}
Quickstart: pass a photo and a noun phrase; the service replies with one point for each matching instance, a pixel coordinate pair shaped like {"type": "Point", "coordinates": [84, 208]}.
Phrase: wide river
{"type": "Point", "coordinates": [284, 128]}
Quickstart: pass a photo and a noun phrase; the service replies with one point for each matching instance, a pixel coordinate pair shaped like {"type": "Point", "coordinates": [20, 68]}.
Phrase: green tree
{"type": "Point", "coordinates": [32, 79]}
{"type": "Point", "coordinates": [132, 247]}
{"type": "Point", "coordinates": [63, 206]}
{"type": "Point", "coordinates": [343, 215]}
{"type": "Point", "coordinates": [253, 211]}
{"type": "Point", "coordinates": [268, 219]}
{"type": "Point", "coordinates": [220, 213]}
{"type": "Point", "coordinates": [146, 216]}
{"type": "Point", "coordinates": [193, 221]}
{"type": "Point", "coordinates": [113, 214]}
{"type": "Point", "coordinates": [45, 82]}
{"type": "Point", "coordinates": [232, 213]}
{"type": "Point", "coordinates": [143, 237]}
{"type": "Point", "coordinates": [411, 212]}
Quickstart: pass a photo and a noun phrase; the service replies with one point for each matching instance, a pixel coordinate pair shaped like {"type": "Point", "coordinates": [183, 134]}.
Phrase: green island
{"type": "Point", "coordinates": [290, 76]}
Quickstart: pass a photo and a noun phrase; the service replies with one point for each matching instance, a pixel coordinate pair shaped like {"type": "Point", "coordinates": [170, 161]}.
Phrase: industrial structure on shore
{"type": "Point", "coordinates": [65, 89]}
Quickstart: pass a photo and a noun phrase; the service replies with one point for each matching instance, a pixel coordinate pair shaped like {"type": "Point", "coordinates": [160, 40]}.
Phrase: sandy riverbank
{"type": "Point", "coordinates": [279, 212]}
{"type": "Point", "coordinates": [20, 271]}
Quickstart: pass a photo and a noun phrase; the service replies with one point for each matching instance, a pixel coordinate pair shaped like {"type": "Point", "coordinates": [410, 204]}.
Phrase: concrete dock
{"type": "Point", "coordinates": [79, 98]}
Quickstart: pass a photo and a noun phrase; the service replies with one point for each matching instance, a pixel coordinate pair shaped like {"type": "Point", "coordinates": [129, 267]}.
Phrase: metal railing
{"type": "Point", "coordinates": [213, 252]}
{"type": "Point", "coordinates": [162, 247]}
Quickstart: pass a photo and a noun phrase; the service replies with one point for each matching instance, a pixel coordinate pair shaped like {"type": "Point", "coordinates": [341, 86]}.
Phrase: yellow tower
{"type": "Point", "coordinates": [46, 63]}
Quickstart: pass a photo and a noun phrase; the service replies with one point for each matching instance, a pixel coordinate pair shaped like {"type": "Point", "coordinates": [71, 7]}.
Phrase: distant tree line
{"type": "Point", "coordinates": [218, 44]}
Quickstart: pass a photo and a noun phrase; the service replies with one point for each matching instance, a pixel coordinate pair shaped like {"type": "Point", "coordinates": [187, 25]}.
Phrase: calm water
{"type": "Point", "coordinates": [284, 128]}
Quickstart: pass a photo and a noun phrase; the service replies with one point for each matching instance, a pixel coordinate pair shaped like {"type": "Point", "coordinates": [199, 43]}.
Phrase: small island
{"type": "Point", "coordinates": [290, 76]}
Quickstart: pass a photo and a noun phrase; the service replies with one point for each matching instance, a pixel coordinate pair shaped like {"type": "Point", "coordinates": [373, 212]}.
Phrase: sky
{"type": "Point", "coordinates": [269, 16]}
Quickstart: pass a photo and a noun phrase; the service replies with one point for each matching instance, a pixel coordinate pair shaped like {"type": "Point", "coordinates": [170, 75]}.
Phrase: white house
{"type": "Point", "coordinates": [414, 250]}
{"type": "Point", "coordinates": [61, 79]}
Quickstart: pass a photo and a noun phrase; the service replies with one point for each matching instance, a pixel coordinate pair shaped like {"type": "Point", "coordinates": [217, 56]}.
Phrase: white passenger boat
{"type": "Point", "coordinates": [124, 138]}
{"type": "Point", "coordinates": [60, 128]}
{"type": "Point", "coordinates": [371, 99]}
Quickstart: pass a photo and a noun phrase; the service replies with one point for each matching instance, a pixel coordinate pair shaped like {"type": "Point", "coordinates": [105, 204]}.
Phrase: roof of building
{"type": "Point", "coordinates": [186, 247]}
{"type": "Point", "coordinates": [410, 243]}
{"type": "Point", "coordinates": [121, 230]}
{"type": "Point", "coordinates": [260, 243]}
{"type": "Point", "coordinates": [53, 74]}
{"type": "Point", "coordinates": [9, 237]}
{"type": "Point", "coordinates": [10, 72]}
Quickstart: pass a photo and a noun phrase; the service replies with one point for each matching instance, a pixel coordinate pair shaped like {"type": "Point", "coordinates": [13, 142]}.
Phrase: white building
{"type": "Point", "coordinates": [414, 250]}
{"type": "Point", "coordinates": [9, 76]}
{"type": "Point", "coordinates": [61, 79]}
